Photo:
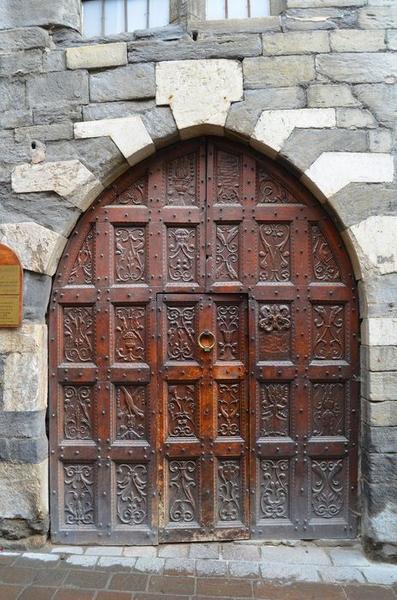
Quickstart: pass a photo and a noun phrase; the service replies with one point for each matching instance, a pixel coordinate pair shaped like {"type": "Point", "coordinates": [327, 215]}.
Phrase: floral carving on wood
{"type": "Point", "coordinates": [183, 490]}
{"type": "Point", "coordinates": [79, 334]}
{"type": "Point", "coordinates": [182, 253]}
{"type": "Point", "coordinates": [324, 263]}
{"type": "Point", "coordinates": [79, 494]}
{"type": "Point", "coordinates": [228, 409]}
{"type": "Point", "coordinates": [227, 247]}
{"type": "Point", "coordinates": [329, 332]}
{"type": "Point", "coordinates": [131, 490]}
{"type": "Point", "coordinates": [181, 340]}
{"type": "Point", "coordinates": [130, 326]}
{"type": "Point", "coordinates": [274, 409]}
{"type": "Point", "coordinates": [229, 490]}
{"type": "Point", "coordinates": [271, 191]}
{"type": "Point", "coordinates": [134, 195]}
{"type": "Point", "coordinates": [275, 324]}
{"type": "Point", "coordinates": [77, 412]}
{"type": "Point", "coordinates": [274, 255]}
{"type": "Point", "coordinates": [274, 495]}
{"type": "Point", "coordinates": [228, 324]}
{"type": "Point", "coordinates": [181, 410]}
{"type": "Point", "coordinates": [130, 407]}
{"type": "Point", "coordinates": [327, 488]}
{"type": "Point", "coordinates": [228, 178]}
{"type": "Point", "coordinates": [130, 254]}
{"type": "Point", "coordinates": [181, 181]}
{"type": "Point", "coordinates": [82, 271]}
{"type": "Point", "coordinates": [328, 409]}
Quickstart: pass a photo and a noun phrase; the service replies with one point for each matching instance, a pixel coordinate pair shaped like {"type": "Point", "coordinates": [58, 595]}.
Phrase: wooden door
{"type": "Point", "coordinates": [203, 403]}
{"type": "Point", "coordinates": [151, 436]}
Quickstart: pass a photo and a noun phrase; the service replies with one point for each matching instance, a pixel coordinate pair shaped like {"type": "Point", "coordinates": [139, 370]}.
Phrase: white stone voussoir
{"type": "Point", "coordinates": [129, 134]}
{"type": "Point", "coordinates": [38, 248]}
{"type": "Point", "coordinates": [97, 56]}
{"type": "Point", "coordinates": [375, 243]}
{"type": "Point", "coordinates": [275, 126]}
{"type": "Point", "coordinates": [332, 171]}
{"type": "Point", "coordinates": [199, 92]}
{"type": "Point", "coordinates": [68, 178]}
{"type": "Point", "coordinates": [379, 331]}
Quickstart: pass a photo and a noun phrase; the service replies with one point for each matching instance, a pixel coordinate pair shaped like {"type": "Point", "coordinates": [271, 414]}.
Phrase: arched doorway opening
{"type": "Point", "coordinates": [204, 358]}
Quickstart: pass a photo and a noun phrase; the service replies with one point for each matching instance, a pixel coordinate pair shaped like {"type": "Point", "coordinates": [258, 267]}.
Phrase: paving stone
{"type": "Point", "coordinates": [114, 596]}
{"type": "Point", "coordinates": [50, 577]}
{"type": "Point", "coordinates": [36, 593]}
{"type": "Point", "coordinates": [241, 552]}
{"type": "Point", "coordinates": [204, 550]}
{"type": "Point", "coordinates": [104, 551]}
{"type": "Point", "coordinates": [284, 572]}
{"type": "Point", "coordinates": [340, 574]}
{"type": "Point", "coordinates": [177, 566]}
{"type": "Point", "coordinates": [174, 551]}
{"type": "Point", "coordinates": [368, 592]}
{"type": "Point", "coordinates": [116, 562]}
{"type": "Point", "coordinates": [243, 569]}
{"type": "Point", "coordinates": [74, 595]}
{"type": "Point", "coordinates": [18, 575]}
{"type": "Point", "coordinates": [349, 557]}
{"type": "Point", "coordinates": [68, 550]}
{"type": "Point", "coordinates": [211, 568]}
{"type": "Point", "coordinates": [215, 587]}
{"type": "Point", "coordinates": [87, 579]}
{"type": "Point", "coordinates": [10, 592]}
{"type": "Point", "coordinates": [124, 582]}
{"type": "Point", "coordinates": [171, 585]}
{"type": "Point", "coordinates": [82, 561]}
{"type": "Point", "coordinates": [294, 556]}
{"type": "Point", "coordinates": [140, 551]}
{"type": "Point", "coordinates": [380, 575]}
{"type": "Point", "coordinates": [149, 565]}
{"type": "Point", "coordinates": [144, 596]}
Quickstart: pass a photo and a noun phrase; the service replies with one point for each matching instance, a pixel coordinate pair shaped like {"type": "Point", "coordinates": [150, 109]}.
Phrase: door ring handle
{"type": "Point", "coordinates": [206, 340]}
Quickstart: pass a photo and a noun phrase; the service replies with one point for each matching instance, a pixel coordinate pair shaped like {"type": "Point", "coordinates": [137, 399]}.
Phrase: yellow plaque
{"type": "Point", "coordinates": [10, 288]}
{"type": "Point", "coordinates": [10, 280]}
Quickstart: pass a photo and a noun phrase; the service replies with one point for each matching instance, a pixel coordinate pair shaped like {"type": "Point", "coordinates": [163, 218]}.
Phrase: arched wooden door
{"type": "Point", "coordinates": [203, 359]}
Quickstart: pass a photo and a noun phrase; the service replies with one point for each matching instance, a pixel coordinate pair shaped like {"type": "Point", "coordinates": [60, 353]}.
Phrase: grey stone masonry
{"type": "Point", "coordinates": [313, 86]}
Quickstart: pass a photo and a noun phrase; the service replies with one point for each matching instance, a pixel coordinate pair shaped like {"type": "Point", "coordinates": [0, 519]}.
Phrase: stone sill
{"type": "Point", "coordinates": [253, 25]}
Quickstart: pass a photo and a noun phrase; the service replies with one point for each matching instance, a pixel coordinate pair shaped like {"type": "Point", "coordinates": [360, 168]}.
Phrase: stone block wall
{"type": "Point", "coordinates": [314, 86]}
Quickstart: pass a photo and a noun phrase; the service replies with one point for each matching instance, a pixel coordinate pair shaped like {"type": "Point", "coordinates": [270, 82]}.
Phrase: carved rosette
{"type": "Point", "coordinates": [229, 491]}
{"type": "Point", "coordinates": [78, 333]}
{"type": "Point", "coordinates": [131, 492]}
{"type": "Point", "coordinates": [274, 253]}
{"type": "Point", "coordinates": [79, 494]}
{"type": "Point", "coordinates": [274, 494]}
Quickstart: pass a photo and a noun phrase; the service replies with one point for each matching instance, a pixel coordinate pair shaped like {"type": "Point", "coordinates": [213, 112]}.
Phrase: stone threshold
{"type": "Point", "coordinates": [282, 562]}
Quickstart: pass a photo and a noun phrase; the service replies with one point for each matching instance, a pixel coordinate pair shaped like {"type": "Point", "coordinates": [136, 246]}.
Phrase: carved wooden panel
{"type": "Point", "coordinates": [129, 254]}
{"type": "Point", "coordinates": [203, 359]}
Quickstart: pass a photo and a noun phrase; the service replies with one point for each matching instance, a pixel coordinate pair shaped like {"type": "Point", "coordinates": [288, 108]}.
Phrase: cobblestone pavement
{"type": "Point", "coordinates": [186, 571]}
